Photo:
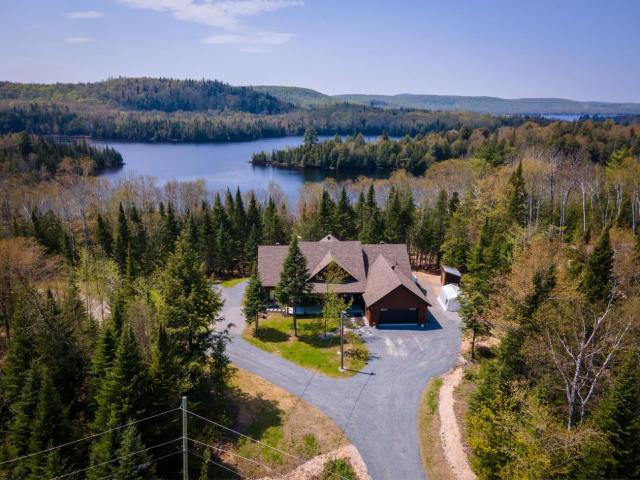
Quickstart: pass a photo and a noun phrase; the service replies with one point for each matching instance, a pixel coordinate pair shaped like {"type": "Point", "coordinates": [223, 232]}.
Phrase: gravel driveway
{"type": "Point", "coordinates": [378, 407]}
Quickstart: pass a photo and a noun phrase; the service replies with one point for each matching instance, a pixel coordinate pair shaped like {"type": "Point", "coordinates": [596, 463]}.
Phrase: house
{"type": "Point", "coordinates": [449, 275]}
{"type": "Point", "coordinates": [377, 277]}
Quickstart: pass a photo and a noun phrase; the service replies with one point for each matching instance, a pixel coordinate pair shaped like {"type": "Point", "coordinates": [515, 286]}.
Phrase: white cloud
{"type": "Point", "coordinates": [225, 15]}
{"type": "Point", "coordinates": [261, 38]}
{"type": "Point", "coordinates": [77, 40]}
{"type": "Point", "coordinates": [84, 15]}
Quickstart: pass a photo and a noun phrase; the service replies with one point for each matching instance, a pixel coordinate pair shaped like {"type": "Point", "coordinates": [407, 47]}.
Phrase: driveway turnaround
{"type": "Point", "coordinates": [376, 408]}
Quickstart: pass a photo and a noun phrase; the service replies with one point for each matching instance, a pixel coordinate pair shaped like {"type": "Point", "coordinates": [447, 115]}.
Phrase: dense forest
{"type": "Point", "coordinates": [594, 141]}
{"type": "Point", "coordinates": [42, 157]}
{"type": "Point", "coordinates": [108, 305]}
{"type": "Point", "coordinates": [161, 94]}
{"type": "Point", "coordinates": [154, 110]}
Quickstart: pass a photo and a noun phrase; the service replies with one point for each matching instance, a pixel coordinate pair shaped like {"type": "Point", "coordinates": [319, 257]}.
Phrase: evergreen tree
{"type": "Point", "coordinates": [207, 240]}
{"type": "Point", "coordinates": [394, 227]}
{"type": "Point", "coordinates": [104, 235]}
{"type": "Point", "coordinates": [169, 230]}
{"type": "Point", "coordinates": [131, 465]}
{"type": "Point", "coordinates": [455, 248]}
{"type": "Point", "coordinates": [123, 239]}
{"type": "Point", "coordinates": [294, 280]}
{"type": "Point", "coordinates": [123, 393]}
{"type": "Point", "coordinates": [190, 305]}
{"type": "Point", "coordinates": [102, 360]}
{"type": "Point", "coordinates": [50, 424]}
{"type": "Point", "coordinates": [254, 299]}
{"type": "Point", "coordinates": [343, 218]}
{"type": "Point", "coordinates": [139, 241]}
{"type": "Point", "coordinates": [273, 230]}
{"type": "Point", "coordinates": [441, 225]}
{"type": "Point", "coordinates": [518, 197]}
{"type": "Point", "coordinates": [163, 376]}
{"type": "Point", "coordinates": [360, 211]}
{"type": "Point", "coordinates": [310, 136]}
{"type": "Point", "coordinates": [206, 463]}
{"type": "Point", "coordinates": [617, 416]}
{"type": "Point", "coordinates": [597, 281]}
{"type": "Point", "coordinates": [326, 214]}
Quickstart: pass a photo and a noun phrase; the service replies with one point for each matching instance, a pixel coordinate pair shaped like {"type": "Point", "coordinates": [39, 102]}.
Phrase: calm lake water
{"type": "Point", "coordinates": [220, 165]}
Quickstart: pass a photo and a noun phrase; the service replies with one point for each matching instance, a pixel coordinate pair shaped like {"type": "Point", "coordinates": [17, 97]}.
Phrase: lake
{"type": "Point", "coordinates": [220, 165]}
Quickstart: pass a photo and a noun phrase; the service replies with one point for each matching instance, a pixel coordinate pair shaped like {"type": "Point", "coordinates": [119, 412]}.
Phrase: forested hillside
{"type": "Point", "coordinates": [593, 141]}
{"type": "Point", "coordinates": [161, 94]}
{"type": "Point", "coordinates": [156, 126]}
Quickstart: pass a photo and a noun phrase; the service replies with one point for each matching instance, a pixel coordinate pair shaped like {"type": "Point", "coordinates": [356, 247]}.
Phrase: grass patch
{"type": "Point", "coordinates": [232, 282]}
{"type": "Point", "coordinates": [310, 349]}
{"type": "Point", "coordinates": [339, 468]}
{"type": "Point", "coordinates": [433, 460]}
{"type": "Point", "coordinates": [276, 418]}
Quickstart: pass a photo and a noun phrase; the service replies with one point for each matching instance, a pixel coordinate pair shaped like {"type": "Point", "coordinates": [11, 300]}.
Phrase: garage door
{"type": "Point", "coordinates": [398, 315]}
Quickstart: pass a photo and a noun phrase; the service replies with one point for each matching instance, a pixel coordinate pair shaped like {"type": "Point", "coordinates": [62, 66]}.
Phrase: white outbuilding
{"type": "Point", "coordinates": [449, 297]}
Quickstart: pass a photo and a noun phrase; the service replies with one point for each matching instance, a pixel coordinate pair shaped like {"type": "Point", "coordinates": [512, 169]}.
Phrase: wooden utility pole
{"type": "Point", "coordinates": [185, 442]}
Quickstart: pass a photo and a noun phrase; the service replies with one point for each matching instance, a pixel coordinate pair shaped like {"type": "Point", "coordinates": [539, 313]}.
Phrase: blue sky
{"type": "Point", "coordinates": [585, 50]}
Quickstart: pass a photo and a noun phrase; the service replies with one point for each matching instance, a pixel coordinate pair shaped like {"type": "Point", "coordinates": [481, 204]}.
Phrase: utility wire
{"type": "Point", "coordinates": [255, 462]}
{"type": "Point", "coordinates": [116, 459]}
{"type": "Point", "coordinates": [245, 436]}
{"type": "Point", "coordinates": [301, 460]}
{"type": "Point", "coordinates": [215, 463]}
{"type": "Point", "coordinates": [146, 464]}
{"type": "Point", "coordinates": [119, 427]}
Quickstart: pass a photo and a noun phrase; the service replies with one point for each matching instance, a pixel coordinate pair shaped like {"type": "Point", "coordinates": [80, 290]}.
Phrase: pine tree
{"type": "Point", "coordinates": [597, 282]}
{"type": "Point", "coordinates": [273, 231]}
{"type": "Point", "coordinates": [254, 299]}
{"type": "Point", "coordinates": [50, 424]}
{"type": "Point", "coordinates": [343, 218]}
{"type": "Point", "coordinates": [16, 441]}
{"type": "Point", "coordinates": [441, 224]}
{"type": "Point", "coordinates": [130, 465]}
{"type": "Point", "coordinates": [123, 239]}
{"type": "Point", "coordinates": [189, 306]}
{"type": "Point", "coordinates": [170, 230]}
{"type": "Point", "coordinates": [123, 393]}
{"type": "Point", "coordinates": [104, 235]}
{"type": "Point", "coordinates": [310, 136]}
{"type": "Point", "coordinates": [204, 468]}
{"type": "Point", "coordinates": [163, 376]}
{"type": "Point", "coordinates": [139, 241]}
{"type": "Point", "coordinates": [617, 417]}
{"type": "Point", "coordinates": [326, 214]}
{"type": "Point", "coordinates": [207, 240]}
{"type": "Point", "coordinates": [394, 227]}
{"type": "Point", "coordinates": [294, 280]}
{"type": "Point", "coordinates": [518, 197]}
{"type": "Point", "coordinates": [21, 349]}
{"type": "Point", "coordinates": [455, 248]}
{"type": "Point", "coordinates": [102, 361]}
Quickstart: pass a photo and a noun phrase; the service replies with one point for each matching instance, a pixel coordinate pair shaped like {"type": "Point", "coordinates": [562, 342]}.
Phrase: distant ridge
{"type": "Point", "coordinates": [493, 105]}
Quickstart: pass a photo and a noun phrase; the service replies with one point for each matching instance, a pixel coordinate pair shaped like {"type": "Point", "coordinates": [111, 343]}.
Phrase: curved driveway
{"type": "Point", "coordinates": [377, 408]}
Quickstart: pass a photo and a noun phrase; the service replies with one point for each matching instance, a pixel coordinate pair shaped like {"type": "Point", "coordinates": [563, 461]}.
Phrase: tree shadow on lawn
{"type": "Point", "coordinates": [273, 335]}
{"type": "Point", "coordinates": [253, 414]}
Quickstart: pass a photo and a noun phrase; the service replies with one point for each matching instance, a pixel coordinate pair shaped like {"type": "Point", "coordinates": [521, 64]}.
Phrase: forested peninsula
{"type": "Point", "coordinates": [593, 141]}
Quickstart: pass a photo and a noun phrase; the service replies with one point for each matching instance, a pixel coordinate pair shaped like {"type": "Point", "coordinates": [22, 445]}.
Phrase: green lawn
{"type": "Point", "coordinates": [232, 282]}
{"type": "Point", "coordinates": [310, 350]}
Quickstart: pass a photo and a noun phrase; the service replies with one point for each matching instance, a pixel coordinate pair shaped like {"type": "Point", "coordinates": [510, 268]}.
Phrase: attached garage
{"type": "Point", "coordinates": [394, 316]}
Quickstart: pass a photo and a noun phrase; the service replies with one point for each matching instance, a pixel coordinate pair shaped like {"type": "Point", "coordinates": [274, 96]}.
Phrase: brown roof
{"type": "Point", "coordinates": [356, 259]}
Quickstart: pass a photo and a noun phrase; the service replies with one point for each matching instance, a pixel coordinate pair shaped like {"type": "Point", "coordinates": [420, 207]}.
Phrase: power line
{"type": "Point", "coordinates": [255, 462]}
{"type": "Point", "coordinates": [116, 459]}
{"type": "Point", "coordinates": [215, 463]}
{"type": "Point", "coordinates": [146, 464]}
{"type": "Point", "coordinates": [95, 435]}
{"type": "Point", "coordinates": [245, 436]}
{"type": "Point", "coordinates": [301, 460]}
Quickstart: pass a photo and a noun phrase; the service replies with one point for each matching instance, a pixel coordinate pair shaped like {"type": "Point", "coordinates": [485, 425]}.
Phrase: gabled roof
{"type": "Point", "coordinates": [383, 278]}
{"type": "Point", "coordinates": [451, 270]}
{"type": "Point", "coordinates": [376, 270]}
